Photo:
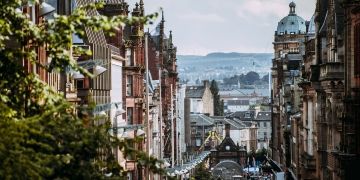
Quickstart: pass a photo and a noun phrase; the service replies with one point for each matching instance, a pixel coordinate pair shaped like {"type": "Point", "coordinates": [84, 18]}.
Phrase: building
{"type": "Point", "coordinates": [320, 132]}
{"type": "Point", "coordinates": [350, 134]}
{"type": "Point", "coordinates": [118, 87]}
{"type": "Point", "coordinates": [242, 99]}
{"type": "Point", "coordinates": [201, 128]}
{"type": "Point", "coordinates": [243, 134]}
{"type": "Point", "coordinates": [263, 121]}
{"type": "Point", "coordinates": [227, 159]}
{"type": "Point", "coordinates": [180, 123]}
{"type": "Point", "coordinates": [303, 124]}
{"type": "Point", "coordinates": [162, 65]}
{"type": "Point", "coordinates": [288, 48]}
{"type": "Point", "coordinates": [201, 99]}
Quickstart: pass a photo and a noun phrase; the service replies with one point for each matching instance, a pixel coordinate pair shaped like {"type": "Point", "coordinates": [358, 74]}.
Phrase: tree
{"type": "Point", "coordinates": [218, 104]}
{"type": "Point", "coordinates": [251, 77]}
{"type": "Point", "coordinates": [201, 173]}
{"type": "Point", "coordinates": [41, 135]}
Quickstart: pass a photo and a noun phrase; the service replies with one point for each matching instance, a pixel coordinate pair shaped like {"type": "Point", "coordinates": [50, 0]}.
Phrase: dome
{"type": "Point", "coordinates": [291, 24]}
{"type": "Point", "coordinates": [311, 29]}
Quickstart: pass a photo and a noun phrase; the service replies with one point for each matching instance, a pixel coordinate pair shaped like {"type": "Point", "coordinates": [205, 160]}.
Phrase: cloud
{"type": "Point", "coordinates": [206, 17]}
{"type": "Point", "coordinates": [262, 9]}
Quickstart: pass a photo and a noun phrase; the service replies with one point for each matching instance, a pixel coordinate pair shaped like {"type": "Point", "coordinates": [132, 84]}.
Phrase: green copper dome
{"type": "Point", "coordinates": [291, 24]}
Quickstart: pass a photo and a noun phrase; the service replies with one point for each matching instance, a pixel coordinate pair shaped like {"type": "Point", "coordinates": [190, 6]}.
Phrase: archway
{"type": "Point", "coordinates": [226, 170]}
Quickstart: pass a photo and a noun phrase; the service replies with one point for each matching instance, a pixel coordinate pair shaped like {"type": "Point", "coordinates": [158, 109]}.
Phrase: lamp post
{"type": "Point", "coordinates": [147, 102]}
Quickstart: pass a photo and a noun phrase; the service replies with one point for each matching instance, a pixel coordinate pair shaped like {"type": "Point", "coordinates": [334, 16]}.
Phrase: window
{"type": "Point", "coordinates": [80, 83]}
{"type": "Point", "coordinates": [265, 124]}
{"type": "Point", "coordinates": [265, 135]}
{"type": "Point", "coordinates": [198, 142]}
{"type": "Point", "coordinates": [128, 57]}
{"type": "Point", "coordinates": [32, 13]}
{"type": "Point", "coordinates": [357, 50]}
{"type": "Point", "coordinates": [129, 85]}
{"type": "Point", "coordinates": [286, 46]}
{"type": "Point", "coordinates": [129, 115]}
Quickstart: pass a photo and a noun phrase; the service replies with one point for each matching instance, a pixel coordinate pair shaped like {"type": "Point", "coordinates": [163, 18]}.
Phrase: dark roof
{"type": "Point", "coordinates": [238, 102]}
{"type": "Point", "coordinates": [243, 115]}
{"type": "Point", "coordinates": [201, 120]}
{"type": "Point", "coordinates": [234, 124]}
{"type": "Point", "coordinates": [227, 142]}
{"type": "Point", "coordinates": [263, 115]}
{"type": "Point", "coordinates": [195, 91]}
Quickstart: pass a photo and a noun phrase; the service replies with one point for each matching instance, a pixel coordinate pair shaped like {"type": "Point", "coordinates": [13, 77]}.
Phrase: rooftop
{"type": "Point", "coordinates": [201, 120]}
{"type": "Point", "coordinates": [291, 24]}
{"type": "Point", "coordinates": [263, 115]}
{"type": "Point", "coordinates": [195, 91]}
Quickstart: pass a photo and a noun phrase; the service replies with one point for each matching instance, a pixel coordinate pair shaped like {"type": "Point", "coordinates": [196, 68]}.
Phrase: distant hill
{"type": "Point", "coordinates": [219, 65]}
{"type": "Point", "coordinates": [233, 54]}
{"type": "Point", "coordinates": [218, 59]}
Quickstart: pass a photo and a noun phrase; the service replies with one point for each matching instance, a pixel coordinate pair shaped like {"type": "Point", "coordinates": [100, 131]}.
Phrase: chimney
{"type": "Point", "coordinates": [227, 130]}
{"type": "Point", "coordinates": [206, 83]}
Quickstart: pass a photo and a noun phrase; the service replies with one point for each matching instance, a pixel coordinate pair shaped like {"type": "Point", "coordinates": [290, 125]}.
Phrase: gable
{"type": "Point", "coordinates": [228, 142]}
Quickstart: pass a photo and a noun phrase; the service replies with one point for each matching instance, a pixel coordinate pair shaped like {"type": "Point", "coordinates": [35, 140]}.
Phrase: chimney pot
{"type": "Point", "coordinates": [227, 130]}
{"type": "Point", "coordinates": [206, 83]}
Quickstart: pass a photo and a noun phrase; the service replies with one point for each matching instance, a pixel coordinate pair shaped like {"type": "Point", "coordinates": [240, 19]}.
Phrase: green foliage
{"type": "Point", "coordinates": [249, 78]}
{"type": "Point", "coordinates": [202, 173]}
{"type": "Point", "coordinates": [218, 104]}
{"type": "Point", "coordinates": [41, 135]}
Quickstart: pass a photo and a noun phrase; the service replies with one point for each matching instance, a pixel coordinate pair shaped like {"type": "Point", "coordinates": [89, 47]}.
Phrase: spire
{"type": "Point", "coordinates": [292, 6]}
{"type": "Point", "coordinates": [136, 10]}
{"type": "Point", "coordinates": [170, 40]}
{"type": "Point", "coordinates": [136, 6]}
{"type": "Point", "coordinates": [162, 24]}
{"type": "Point", "coordinates": [162, 16]}
{"type": "Point", "coordinates": [161, 38]}
{"type": "Point", "coordinates": [142, 7]}
{"type": "Point", "coordinates": [170, 37]}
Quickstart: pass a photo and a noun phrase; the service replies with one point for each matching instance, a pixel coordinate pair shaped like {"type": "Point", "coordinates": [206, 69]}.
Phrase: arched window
{"type": "Point", "coordinates": [357, 50]}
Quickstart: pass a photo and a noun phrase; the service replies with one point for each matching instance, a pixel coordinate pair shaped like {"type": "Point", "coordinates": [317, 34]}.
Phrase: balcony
{"type": "Point", "coordinates": [332, 71]}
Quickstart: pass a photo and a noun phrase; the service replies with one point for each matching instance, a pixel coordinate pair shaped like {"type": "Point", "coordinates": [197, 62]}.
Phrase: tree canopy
{"type": "Point", "coordinates": [41, 135]}
{"type": "Point", "coordinates": [249, 78]}
{"type": "Point", "coordinates": [218, 104]}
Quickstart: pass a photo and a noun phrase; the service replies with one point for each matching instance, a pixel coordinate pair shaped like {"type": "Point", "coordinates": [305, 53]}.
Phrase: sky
{"type": "Point", "coordinates": [203, 26]}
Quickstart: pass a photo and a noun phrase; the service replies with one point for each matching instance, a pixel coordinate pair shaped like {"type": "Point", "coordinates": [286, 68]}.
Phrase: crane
{"type": "Point", "coordinates": [212, 136]}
